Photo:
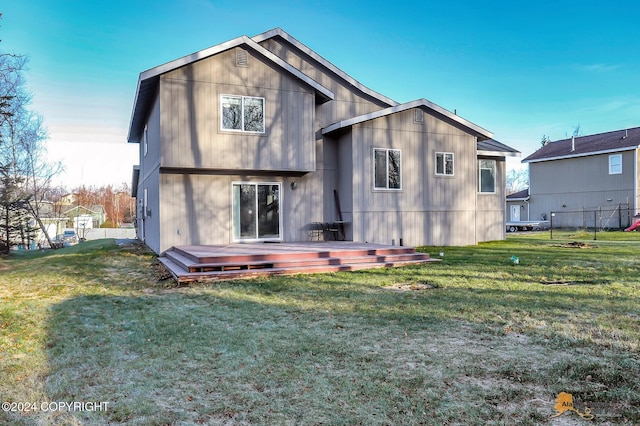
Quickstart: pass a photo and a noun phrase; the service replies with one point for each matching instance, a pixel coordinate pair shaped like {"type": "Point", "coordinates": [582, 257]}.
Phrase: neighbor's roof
{"type": "Point", "coordinates": [602, 143]}
{"type": "Point", "coordinates": [148, 80]}
{"type": "Point", "coordinates": [519, 196]}
{"type": "Point", "coordinates": [430, 107]}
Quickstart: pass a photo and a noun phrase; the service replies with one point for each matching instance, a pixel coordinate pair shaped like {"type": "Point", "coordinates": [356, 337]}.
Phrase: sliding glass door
{"type": "Point", "coordinates": [256, 211]}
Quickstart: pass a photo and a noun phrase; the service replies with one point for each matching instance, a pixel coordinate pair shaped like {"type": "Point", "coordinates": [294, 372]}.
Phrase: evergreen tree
{"type": "Point", "coordinates": [14, 221]}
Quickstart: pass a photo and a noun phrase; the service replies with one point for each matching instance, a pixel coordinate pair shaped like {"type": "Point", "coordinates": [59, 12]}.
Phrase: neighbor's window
{"type": "Point", "coordinates": [615, 164]}
{"type": "Point", "coordinates": [444, 163]}
{"type": "Point", "coordinates": [242, 113]}
{"type": "Point", "coordinates": [487, 176]}
{"type": "Point", "coordinates": [387, 169]}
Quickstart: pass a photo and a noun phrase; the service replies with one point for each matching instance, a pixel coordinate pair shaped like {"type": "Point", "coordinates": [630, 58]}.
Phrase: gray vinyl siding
{"type": "Point", "coordinates": [148, 179]}
{"type": "Point", "coordinates": [328, 168]}
{"type": "Point", "coordinates": [349, 102]}
{"type": "Point", "coordinates": [190, 117]}
{"type": "Point", "coordinates": [197, 209]}
{"type": "Point", "coordinates": [152, 217]}
{"type": "Point", "coordinates": [429, 209]}
{"type": "Point", "coordinates": [151, 160]}
{"type": "Point", "coordinates": [576, 184]}
{"type": "Point", "coordinates": [523, 206]}
{"type": "Point", "coordinates": [490, 217]}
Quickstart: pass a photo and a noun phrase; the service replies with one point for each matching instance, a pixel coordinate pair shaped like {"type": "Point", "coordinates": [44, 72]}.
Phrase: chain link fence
{"type": "Point", "coordinates": [593, 220]}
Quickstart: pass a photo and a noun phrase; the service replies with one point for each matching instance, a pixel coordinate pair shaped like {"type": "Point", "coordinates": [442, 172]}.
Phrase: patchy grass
{"type": "Point", "coordinates": [474, 339]}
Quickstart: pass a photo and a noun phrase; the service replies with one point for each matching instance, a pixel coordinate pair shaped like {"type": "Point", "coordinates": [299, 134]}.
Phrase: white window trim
{"type": "Point", "coordinates": [386, 150]}
{"type": "Point", "coordinates": [280, 215]}
{"type": "Point", "coordinates": [242, 98]}
{"type": "Point", "coordinates": [495, 177]}
{"type": "Point", "coordinates": [453, 161]}
{"type": "Point", "coordinates": [611, 171]}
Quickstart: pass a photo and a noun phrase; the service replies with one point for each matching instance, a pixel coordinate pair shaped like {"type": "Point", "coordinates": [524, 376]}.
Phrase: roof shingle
{"type": "Point", "coordinates": [617, 140]}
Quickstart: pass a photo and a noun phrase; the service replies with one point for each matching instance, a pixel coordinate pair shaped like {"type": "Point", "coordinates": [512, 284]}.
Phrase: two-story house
{"type": "Point", "coordinates": [259, 138]}
{"type": "Point", "coordinates": [595, 173]}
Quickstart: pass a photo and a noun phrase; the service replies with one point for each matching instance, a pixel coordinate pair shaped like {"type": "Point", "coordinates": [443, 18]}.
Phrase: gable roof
{"type": "Point", "coordinates": [148, 80]}
{"type": "Point", "coordinates": [519, 196]}
{"type": "Point", "coordinates": [582, 146]}
{"type": "Point", "coordinates": [279, 32]}
{"type": "Point", "coordinates": [430, 107]}
{"type": "Point", "coordinates": [94, 210]}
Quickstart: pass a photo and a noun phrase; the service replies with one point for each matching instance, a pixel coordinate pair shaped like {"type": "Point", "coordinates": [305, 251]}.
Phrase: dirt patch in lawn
{"type": "Point", "coordinates": [576, 244]}
{"type": "Point", "coordinates": [413, 286]}
{"type": "Point", "coordinates": [572, 282]}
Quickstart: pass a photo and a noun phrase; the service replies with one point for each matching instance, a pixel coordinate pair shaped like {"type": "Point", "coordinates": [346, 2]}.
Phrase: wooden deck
{"type": "Point", "coordinates": [232, 261]}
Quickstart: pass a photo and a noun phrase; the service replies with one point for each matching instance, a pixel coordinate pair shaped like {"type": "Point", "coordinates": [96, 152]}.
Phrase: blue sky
{"type": "Point", "coordinates": [520, 69]}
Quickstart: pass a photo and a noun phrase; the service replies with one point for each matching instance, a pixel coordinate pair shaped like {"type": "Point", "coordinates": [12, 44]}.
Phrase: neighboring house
{"type": "Point", "coordinates": [85, 217]}
{"type": "Point", "coordinates": [258, 139]}
{"type": "Point", "coordinates": [518, 207]}
{"type": "Point", "coordinates": [595, 174]}
{"type": "Point", "coordinates": [51, 218]}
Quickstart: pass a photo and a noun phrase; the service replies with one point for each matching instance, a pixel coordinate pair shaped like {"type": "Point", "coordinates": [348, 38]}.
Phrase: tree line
{"type": "Point", "coordinates": [26, 175]}
{"type": "Point", "coordinates": [118, 204]}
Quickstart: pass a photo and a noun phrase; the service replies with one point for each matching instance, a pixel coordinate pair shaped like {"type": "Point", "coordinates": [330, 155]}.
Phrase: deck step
{"type": "Point", "coordinates": [196, 263]}
{"type": "Point", "coordinates": [239, 263]}
{"type": "Point", "coordinates": [182, 276]}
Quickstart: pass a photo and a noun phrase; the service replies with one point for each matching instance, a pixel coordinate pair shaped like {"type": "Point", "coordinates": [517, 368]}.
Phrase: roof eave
{"type": "Point", "coordinates": [479, 132]}
{"type": "Point", "coordinates": [514, 154]}
{"type": "Point", "coordinates": [583, 154]}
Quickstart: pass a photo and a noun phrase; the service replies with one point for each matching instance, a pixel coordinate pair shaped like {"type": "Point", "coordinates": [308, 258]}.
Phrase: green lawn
{"type": "Point", "coordinates": [474, 339]}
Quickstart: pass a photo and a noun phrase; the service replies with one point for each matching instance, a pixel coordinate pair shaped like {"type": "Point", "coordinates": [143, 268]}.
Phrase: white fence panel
{"type": "Point", "coordinates": [99, 233]}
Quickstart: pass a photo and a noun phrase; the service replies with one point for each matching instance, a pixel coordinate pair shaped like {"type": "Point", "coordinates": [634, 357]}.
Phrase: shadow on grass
{"type": "Point", "coordinates": [322, 350]}
{"type": "Point", "coordinates": [480, 344]}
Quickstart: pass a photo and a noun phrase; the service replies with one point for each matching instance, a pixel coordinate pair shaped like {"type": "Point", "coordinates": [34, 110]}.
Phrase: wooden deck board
{"type": "Point", "coordinates": [232, 261]}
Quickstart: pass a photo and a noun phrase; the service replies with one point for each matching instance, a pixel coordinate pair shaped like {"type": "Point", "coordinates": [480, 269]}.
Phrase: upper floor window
{"type": "Point", "coordinates": [387, 169]}
{"type": "Point", "coordinates": [444, 163]}
{"type": "Point", "coordinates": [615, 164]}
{"type": "Point", "coordinates": [487, 176]}
{"type": "Point", "coordinates": [242, 113]}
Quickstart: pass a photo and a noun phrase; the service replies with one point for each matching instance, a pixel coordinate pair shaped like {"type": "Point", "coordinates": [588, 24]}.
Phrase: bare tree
{"type": "Point", "coordinates": [517, 180]}
{"type": "Point", "coordinates": [26, 173]}
{"type": "Point", "coordinates": [577, 131]}
{"type": "Point", "coordinates": [545, 141]}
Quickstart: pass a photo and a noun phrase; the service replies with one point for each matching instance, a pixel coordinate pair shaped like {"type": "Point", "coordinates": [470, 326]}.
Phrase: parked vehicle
{"type": "Point", "coordinates": [527, 226]}
{"type": "Point", "coordinates": [67, 238]}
